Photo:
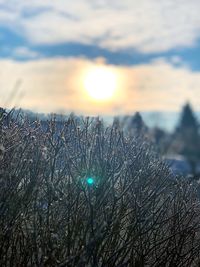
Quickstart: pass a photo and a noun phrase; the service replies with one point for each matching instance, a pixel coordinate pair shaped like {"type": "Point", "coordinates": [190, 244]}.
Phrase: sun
{"type": "Point", "coordinates": [100, 83]}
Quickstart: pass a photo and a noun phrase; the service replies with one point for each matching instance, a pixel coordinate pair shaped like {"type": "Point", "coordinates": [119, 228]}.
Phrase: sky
{"type": "Point", "coordinates": [152, 46]}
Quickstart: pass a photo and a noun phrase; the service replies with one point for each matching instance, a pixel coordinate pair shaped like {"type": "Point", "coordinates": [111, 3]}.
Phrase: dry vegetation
{"type": "Point", "coordinates": [134, 214]}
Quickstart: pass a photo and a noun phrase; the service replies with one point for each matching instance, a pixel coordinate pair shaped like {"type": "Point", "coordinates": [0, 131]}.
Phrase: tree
{"type": "Point", "coordinates": [136, 126]}
{"type": "Point", "coordinates": [188, 119]}
{"type": "Point", "coordinates": [160, 138]}
{"type": "Point", "coordinates": [187, 139]}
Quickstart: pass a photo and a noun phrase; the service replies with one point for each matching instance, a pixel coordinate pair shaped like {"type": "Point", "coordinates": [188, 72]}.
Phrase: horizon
{"type": "Point", "coordinates": [165, 120]}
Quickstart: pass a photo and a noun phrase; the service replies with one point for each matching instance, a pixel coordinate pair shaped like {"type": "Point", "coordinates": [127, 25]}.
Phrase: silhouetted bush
{"type": "Point", "coordinates": [79, 194]}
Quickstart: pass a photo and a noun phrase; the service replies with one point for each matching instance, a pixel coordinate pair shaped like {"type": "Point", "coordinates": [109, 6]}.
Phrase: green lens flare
{"type": "Point", "coordinates": [90, 181]}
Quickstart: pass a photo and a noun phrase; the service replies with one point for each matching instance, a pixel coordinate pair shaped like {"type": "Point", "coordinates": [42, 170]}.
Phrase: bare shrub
{"type": "Point", "coordinates": [75, 193]}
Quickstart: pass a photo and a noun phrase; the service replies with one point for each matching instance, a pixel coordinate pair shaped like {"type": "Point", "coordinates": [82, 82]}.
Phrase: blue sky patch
{"type": "Point", "coordinates": [12, 42]}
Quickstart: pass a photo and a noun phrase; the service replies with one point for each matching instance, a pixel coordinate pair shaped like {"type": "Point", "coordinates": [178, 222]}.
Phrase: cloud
{"type": "Point", "coordinates": [149, 26]}
{"type": "Point", "coordinates": [57, 84]}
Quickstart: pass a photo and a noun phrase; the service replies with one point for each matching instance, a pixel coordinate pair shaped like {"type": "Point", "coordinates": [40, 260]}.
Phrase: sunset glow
{"type": "Point", "coordinates": [100, 83]}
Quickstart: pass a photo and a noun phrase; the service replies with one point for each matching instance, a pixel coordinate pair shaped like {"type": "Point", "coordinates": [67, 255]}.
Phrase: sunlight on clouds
{"type": "Point", "coordinates": [57, 85]}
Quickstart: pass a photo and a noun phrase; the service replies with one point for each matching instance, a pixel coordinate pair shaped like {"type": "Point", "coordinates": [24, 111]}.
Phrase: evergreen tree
{"type": "Point", "coordinates": [187, 137]}
{"type": "Point", "coordinates": [188, 119]}
{"type": "Point", "coordinates": [137, 122]}
{"type": "Point", "coordinates": [136, 125]}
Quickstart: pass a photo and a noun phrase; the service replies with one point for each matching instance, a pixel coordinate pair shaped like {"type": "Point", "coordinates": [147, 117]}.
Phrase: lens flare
{"type": "Point", "coordinates": [90, 181]}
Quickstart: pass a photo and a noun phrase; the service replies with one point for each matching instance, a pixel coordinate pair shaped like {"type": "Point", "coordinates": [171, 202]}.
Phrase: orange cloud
{"type": "Point", "coordinates": [53, 85]}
